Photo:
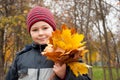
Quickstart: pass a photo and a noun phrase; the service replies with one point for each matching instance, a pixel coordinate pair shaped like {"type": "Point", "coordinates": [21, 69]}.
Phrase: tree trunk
{"type": "Point", "coordinates": [1, 54]}
{"type": "Point", "coordinates": [87, 37]}
{"type": "Point", "coordinates": [116, 54]}
{"type": "Point", "coordinates": [101, 45]}
{"type": "Point", "coordinates": [101, 52]}
{"type": "Point", "coordinates": [106, 41]}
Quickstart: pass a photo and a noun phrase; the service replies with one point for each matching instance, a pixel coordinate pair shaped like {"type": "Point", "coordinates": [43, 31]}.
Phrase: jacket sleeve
{"type": "Point", "coordinates": [12, 73]}
{"type": "Point", "coordinates": [71, 76]}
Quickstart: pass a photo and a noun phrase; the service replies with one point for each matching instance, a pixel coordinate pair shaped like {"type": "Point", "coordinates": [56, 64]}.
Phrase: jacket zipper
{"type": "Point", "coordinates": [38, 72]}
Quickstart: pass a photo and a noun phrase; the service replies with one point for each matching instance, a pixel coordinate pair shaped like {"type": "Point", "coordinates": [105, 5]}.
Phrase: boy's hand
{"type": "Point", "coordinates": [60, 70]}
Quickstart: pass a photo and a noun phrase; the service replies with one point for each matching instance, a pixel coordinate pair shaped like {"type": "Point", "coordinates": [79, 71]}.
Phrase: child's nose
{"type": "Point", "coordinates": [40, 32]}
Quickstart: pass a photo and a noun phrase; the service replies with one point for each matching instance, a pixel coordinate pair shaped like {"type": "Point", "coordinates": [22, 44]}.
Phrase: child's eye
{"type": "Point", "coordinates": [44, 28]}
{"type": "Point", "coordinates": [34, 29]}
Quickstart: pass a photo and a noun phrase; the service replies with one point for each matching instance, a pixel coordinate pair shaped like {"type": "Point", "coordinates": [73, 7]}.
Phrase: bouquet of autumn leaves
{"type": "Point", "coordinates": [66, 46]}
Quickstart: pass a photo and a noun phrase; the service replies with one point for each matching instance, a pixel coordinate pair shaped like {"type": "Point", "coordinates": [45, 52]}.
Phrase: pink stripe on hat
{"type": "Point", "coordinates": [40, 14]}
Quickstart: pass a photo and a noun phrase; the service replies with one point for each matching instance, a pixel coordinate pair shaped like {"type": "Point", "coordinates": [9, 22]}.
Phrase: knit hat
{"type": "Point", "coordinates": [40, 14]}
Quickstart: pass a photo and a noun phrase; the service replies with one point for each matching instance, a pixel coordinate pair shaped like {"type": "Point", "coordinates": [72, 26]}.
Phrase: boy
{"type": "Point", "coordinates": [29, 63]}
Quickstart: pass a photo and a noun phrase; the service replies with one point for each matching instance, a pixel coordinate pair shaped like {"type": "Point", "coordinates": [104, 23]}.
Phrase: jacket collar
{"type": "Point", "coordinates": [38, 46]}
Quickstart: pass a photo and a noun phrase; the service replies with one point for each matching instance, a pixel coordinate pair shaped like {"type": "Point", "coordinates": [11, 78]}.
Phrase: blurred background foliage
{"type": "Point", "coordinates": [98, 20]}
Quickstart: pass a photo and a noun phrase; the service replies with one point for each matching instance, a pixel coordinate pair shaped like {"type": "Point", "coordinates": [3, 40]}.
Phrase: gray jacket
{"type": "Point", "coordinates": [30, 64]}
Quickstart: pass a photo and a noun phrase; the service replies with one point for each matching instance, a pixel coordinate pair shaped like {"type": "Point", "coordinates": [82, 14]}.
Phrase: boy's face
{"type": "Point", "coordinates": [41, 32]}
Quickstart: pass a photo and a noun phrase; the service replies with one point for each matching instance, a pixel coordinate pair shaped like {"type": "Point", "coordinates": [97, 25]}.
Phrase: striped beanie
{"type": "Point", "coordinates": [40, 14]}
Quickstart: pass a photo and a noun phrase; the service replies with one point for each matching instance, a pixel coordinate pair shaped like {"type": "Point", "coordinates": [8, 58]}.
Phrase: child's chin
{"type": "Point", "coordinates": [42, 43]}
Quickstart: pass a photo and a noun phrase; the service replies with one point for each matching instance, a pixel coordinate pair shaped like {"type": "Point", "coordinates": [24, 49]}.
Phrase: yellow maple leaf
{"type": "Point", "coordinates": [78, 68]}
{"type": "Point", "coordinates": [67, 39]}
